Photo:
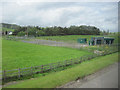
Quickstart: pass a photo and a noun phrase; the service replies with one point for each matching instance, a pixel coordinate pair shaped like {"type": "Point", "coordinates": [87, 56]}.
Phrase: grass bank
{"type": "Point", "coordinates": [60, 78]}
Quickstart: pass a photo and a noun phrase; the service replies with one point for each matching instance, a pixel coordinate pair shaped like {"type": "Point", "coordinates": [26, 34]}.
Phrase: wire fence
{"type": "Point", "coordinates": [6, 75]}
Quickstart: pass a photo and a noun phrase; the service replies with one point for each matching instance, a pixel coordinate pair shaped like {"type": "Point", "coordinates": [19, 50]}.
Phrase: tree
{"type": "Point", "coordinates": [40, 33]}
{"type": "Point", "coordinates": [21, 33]}
{"type": "Point", "coordinates": [53, 31]}
{"type": "Point", "coordinates": [32, 31]}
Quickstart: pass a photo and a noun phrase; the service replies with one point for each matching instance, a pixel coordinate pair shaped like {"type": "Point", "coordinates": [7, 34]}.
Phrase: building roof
{"type": "Point", "coordinates": [102, 38]}
{"type": "Point", "coordinates": [109, 37]}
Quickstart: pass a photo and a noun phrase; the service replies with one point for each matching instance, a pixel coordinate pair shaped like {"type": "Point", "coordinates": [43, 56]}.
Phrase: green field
{"type": "Point", "coordinates": [17, 54]}
{"type": "Point", "coordinates": [7, 29]}
{"type": "Point", "coordinates": [73, 38]}
{"type": "Point", "coordinates": [60, 78]}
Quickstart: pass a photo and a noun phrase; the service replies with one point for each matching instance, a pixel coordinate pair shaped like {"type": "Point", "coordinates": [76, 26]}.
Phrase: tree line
{"type": "Point", "coordinates": [10, 26]}
{"type": "Point", "coordinates": [52, 31]}
{"type": "Point", "coordinates": [56, 30]}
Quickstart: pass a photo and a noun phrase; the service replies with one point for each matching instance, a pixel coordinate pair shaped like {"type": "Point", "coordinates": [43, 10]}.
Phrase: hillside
{"type": "Point", "coordinates": [9, 27]}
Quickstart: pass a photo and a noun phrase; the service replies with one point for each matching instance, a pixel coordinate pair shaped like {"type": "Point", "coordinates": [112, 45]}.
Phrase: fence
{"type": "Point", "coordinates": [29, 71]}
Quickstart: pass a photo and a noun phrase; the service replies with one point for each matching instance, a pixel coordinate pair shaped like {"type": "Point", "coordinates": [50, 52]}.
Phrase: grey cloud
{"type": "Point", "coordinates": [102, 15]}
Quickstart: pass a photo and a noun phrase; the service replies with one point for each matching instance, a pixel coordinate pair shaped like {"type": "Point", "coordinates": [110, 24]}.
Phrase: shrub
{"type": "Point", "coordinates": [21, 33]}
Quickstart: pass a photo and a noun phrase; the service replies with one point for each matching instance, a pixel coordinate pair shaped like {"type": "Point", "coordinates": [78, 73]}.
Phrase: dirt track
{"type": "Point", "coordinates": [105, 78]}
{"type": "Point", "coordinates": [55, 43]}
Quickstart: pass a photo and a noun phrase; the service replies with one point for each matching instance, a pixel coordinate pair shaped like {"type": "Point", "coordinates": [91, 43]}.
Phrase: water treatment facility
{"type": "Point", "coordinates": [96, 40]}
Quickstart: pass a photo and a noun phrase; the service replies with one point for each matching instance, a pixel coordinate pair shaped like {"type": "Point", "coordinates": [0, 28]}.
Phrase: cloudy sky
{"type": "Point", "coordinates": [103, 15]}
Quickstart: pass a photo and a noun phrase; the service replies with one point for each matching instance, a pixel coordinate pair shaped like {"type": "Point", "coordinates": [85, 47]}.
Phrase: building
{"type": "Point", "coordinates": [7, 32]}
{"type": "Point", "coordinates": [101, 40]}
{"type": "Point", "coordinates": [82, 40]}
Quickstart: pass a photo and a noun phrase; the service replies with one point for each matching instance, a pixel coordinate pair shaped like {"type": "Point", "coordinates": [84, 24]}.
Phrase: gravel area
{"type": "Point", "coordinates": [55, 43]}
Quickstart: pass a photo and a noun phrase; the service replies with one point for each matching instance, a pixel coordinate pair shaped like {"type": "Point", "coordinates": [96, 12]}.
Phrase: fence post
{"type": "Point", "coordinates": [41, 68]}
{"type": "Point", "coordinates": [31, 71]}
{"type": "Point", "coordinates": [88, 57]}
{"type": "Point", "coordinates": [80, 60]}
{"type": "Point", "coordinates": [58, 64]}
{"type": "Point", "coordinates": [71, 61]}
{"type": "Point", "coordinates": [77, 61]}
{"type": "Point", "coordinates": [83, 59]}
{"type": "Point", "coordinates": [65, 62]}
{"type": "Point", "coordinates": [19, 72]}
{"type": "Point", "coordinates": [50, 66]}
{"type": "Point", "coordinates": [4, 75]}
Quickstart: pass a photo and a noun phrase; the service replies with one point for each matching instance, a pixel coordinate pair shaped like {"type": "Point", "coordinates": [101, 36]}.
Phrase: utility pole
{"type": "Point", "coordinates": [27, 31]}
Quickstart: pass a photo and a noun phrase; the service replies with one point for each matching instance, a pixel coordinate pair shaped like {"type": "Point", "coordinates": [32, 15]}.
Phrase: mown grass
{"type": "Point", "coordinates": [17, 54]}
{"type": "Point", "coordinates": [73, 38]}
{"type": "Point", "coordinates": [60, 78]}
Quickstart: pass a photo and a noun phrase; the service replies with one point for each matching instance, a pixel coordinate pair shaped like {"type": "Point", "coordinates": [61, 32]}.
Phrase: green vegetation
{"type": "Point", "coordinates": [57, 30]}
{"type": "Point", "coordinates": [59, 78]}
{"type": "Point", "coordinates": [17, 54]}
{"type": "Point", "coordinates": [21, 33]}
{"type": "Point", "coordinates": [53, 31]}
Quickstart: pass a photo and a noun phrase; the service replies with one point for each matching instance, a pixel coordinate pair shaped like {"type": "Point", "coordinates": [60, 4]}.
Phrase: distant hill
{"type": "Point", "coordinates": [9, 27]}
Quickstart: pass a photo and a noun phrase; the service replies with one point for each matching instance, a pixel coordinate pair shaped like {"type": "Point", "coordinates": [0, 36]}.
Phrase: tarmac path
{"type": "Point", "coordinates": [105, 78]}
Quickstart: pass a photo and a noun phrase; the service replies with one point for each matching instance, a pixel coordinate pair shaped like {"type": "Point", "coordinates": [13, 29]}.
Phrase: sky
{"type": "Point", "coordinates": [103, 15]}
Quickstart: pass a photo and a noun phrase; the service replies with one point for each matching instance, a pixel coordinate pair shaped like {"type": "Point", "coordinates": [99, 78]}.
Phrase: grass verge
{"type": "Point", "coordinates": [60, 78]}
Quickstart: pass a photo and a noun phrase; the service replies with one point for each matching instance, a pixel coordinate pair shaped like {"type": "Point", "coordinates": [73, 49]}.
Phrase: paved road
{"type": "Point", "coordinates": [106, 78]}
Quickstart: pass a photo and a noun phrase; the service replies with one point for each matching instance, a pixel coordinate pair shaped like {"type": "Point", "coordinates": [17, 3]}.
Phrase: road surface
{"type": "Point", "coordinates": [105, 78]}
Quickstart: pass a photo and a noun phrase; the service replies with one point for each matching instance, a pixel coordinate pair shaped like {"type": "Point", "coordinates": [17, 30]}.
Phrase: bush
{"type": "Point", "coordinates": [21, 33]}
